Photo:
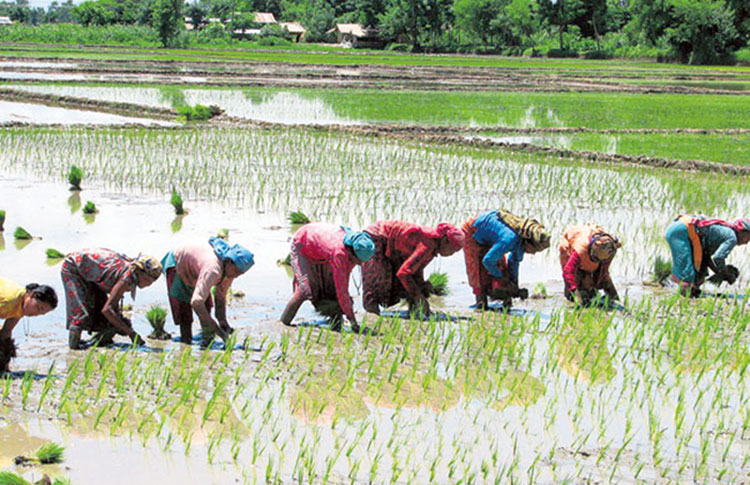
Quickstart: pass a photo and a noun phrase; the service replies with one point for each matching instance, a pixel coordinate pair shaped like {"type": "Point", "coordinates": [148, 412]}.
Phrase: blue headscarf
{"type": "Point", "coordinates": [360, 242]}
{"type": "Point", "coordinates": [241, 257]}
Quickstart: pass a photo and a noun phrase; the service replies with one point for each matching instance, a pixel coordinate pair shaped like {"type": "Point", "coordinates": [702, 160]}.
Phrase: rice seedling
{"type": "Point", "coordinates": [22, 234]}
{"type": "Point", "coordinates": [298, 218]}
{"type": "Point", "coordinates": [157, 317]}
{"type": "Point", "coordinates": [223, 233]}
{"type": "Point", "coordinates": [75, 176]}
{"type": "Point", "coordinates": [661, 271]}
{"type": "Point", "coordinates": [176, 201]}
{"type": "Point", "coordinates": [90, 208]}
{"type": "Point", "coordinates": [10, 478]}
{"type": "Point", "coordinates": [2, 220]}
{"type": "Point", "coordinates": [54, 254]}
{"type": "Point", "coordinates": [438, 283]}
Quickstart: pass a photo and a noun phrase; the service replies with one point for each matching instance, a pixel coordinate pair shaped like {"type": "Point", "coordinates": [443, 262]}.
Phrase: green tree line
{"type": "Point", "coordinates": [689, 31]}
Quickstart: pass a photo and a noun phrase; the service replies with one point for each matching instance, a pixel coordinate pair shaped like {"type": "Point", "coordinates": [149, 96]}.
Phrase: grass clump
{"type": "Point", "coordinates": [21, 233]}
{"type": "Point", "coordinates": [53, 253]}
{"type": "Point", "coordinates": [50, 453]}
{"type": "Point", "coordinates": [297, 217]}
{"type": "Point", "coordinates": [90, 208]}
{"type": "Point", "coordinates": [2, 220]}
{"type": "Point", "coordinates": [157, 317]}
{"type": "Point", "coordinates": [439, 282]}
{"type": "Point", "coordinates": [176, 201]}
{"type": "Point", "coordinates": [75, 176]}
{"type": "Point", "coordinates": [198, 112]}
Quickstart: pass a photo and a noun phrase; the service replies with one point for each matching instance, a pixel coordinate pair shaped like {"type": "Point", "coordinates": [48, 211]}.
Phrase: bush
{"type": "Point", "coordinates": [270, 41]}
{"type": "Point", "coordinates": [561, 53]}
{"type": "Point", "coordinates": [743, 56]}
{"type": "Point", "coordinates": [136, 35]}
{"type": "Point", "coordinates": [395, 47]}
{"type": "Point", "coordinates": [597, 55]}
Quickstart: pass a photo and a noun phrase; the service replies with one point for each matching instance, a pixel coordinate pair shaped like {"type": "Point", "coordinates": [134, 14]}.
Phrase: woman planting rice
{"type": "Point", "coordinates": [698, 243]}
{"type": "Point", "coordinates": [489, 237]}
{"type": "Point", "coordinates": [396, 270]}
{"type": "Point", "coordinates": [95, 281]}
{"type": "Point", "coordinates": [17, 302]}
{"type": "Point", "coordinates": [323, 256]}
{"type": "Point", "coordinates": [191, 271]}
{"type": "Point", "coordinates": [586, 252]}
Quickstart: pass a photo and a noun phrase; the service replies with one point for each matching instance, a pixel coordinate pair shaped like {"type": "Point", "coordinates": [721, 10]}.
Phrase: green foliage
{"type": "Point", "coordinates": [540, 291]}
{"type": "Point", "coordinates": [62, 481]}
{"type": "Point", "coordinates": [317, 16]}
{"type": "Point", "coordinates": [21, 233]}
{"type": "Point", "coordinates": [2, 220]}
{"type": "Point", "coordinates": [50, 453]}
{"type": "Point", "coordinates": [198, 112]}
{"type": "Point", "coordinates": [439, 282]}
{"type": "Point", "coordinates": [9, 478]}
{"type": "Point", "coordinates": [223, 233]}
{"type": "Point", "coordinates": [157, 317]}
{"type": "Point", "coordinates": [297, 217]}
{"type": "Point", "coordinates": [176, 201]}
{"type": "Point", "coordinates": [75, 176]}
{"type": "Point", "coordinates": [53, 253]}
{"type": "Point", "coordinates": [90, 208]}
{"type": "Point", "coordinates": [560, 13]}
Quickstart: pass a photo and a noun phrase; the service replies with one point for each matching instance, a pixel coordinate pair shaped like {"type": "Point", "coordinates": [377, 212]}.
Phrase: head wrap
{"type": "Point", "coordinates": [454, 236]}
{"type": "Point", "coordinates": [360, 242]}
{"type": "Point", "coordinates": [528, 229]}
{"type": "Point", "coordinates": [603, 246]}
{"type": "Point", "coordinates": [149, 265]}
{"type": "Point", "coordinates": [241, 257]}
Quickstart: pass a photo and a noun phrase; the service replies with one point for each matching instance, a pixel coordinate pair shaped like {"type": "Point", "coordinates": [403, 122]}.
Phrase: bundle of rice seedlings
{"type": "Point", "coordinates": [286, 261]}
{"type": "Point", "coordinates": [439, 282]}
{"type": "Point", "coordinates": [90, 208]}
{"type": "Point", "coordinates": [660, 272]}
{"type": "Point", "coordinates": [331, 310]}
{"type": "Point", "coordinates": [7, 352]}
{"type": "Point", "coordinates": [2, 220]}
{"type": "Point", "coordinates": [298, 218]}
{"type": "Point", "coordinates": [21, 233]}
{"type": "Point", "coordinates": [540, 292]}
{"type": "Point", "coordinates": [10, 478]}
{"type": "Point", "coordinates": [50, 453]}
{"type": "Point", "coordinates": [223, 233]}
{"type": "Point", "coordinates": [157, 317]}
{"type": "Point", "coordinates": [75, 175]}
{"type": "Point", "coordinates": [176, 201]}
{"type": "Point", "coordinates": [53, 253]}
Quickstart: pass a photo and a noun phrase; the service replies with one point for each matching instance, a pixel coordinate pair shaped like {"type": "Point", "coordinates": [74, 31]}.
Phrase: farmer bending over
{"type": "Point", "coordinates": [95, 281]}
{"type": "Point", "coordinates": [191, 271]}
{"type": "Point", "coordinates": [697, 244]}
{"type": "Point", "coordinates": [396, 270]}
{"type": "Point", "coordinates": [323, 256]}
{"type": "Point", "coordinates": [489, 237]}
{"type": "Point", "coordinates": [586, 251]}
{"type": "Point", "coordinates": [17, 302]}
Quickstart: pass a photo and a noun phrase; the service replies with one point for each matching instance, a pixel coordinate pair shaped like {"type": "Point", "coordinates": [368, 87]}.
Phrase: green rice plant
{"type": "Point", "coordinates": [22, 234]}
{"type": "Point", "coordinates": [176, 201]}
{"type": "Point", "coordinates": [75, 176]}
{"type": "Point", "coordinates": [298, 218]}
{"type": "Point", "coordinates": [50, 453]}
{"type": "Point", "coordinates": [223, 233]}
{"type": "Point", "coordinates": [157, 317]}
{"type": "Point", "coordinates": [2, 220]}
{"type": "Point", "coordinates": [287, 261]}
{"type": "Point", "coordinates": [439, 284]}
{"type": "Point", "coordinates": [10, 478]}
{"type": "Point", "coordinates": [540, 291]}
{"type": "Point", "coordinates": [90, 208]}
{"type": "Point", "coordinates": [53, 253]}
{"type": "Point", "coordinates": [197, 112]}
{"type": "Point", "coordinates": [62, 481]}
{"type": "Point", "coordinates": [661, 270]}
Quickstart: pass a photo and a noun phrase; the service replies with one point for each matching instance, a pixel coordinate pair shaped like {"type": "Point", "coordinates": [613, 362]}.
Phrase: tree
{"type": "Point", "coordinates": [476, 17]}
{"type": "Point", "coordinates": [167, 19]}
{"type": "Point", "coordinates": [560, 13]}
{"type": "Point", "coordinates": [703, 31]}
{"type": "Point", "coordinates": [197, 15]}
{"type": "Point", "coordinates": [409, 18]}
{"type": "Point", "coordinates": [317, 16]}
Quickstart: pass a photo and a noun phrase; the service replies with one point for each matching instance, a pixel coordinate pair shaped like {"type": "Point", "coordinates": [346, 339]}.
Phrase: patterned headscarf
{"type": "Point", "coordinates": [531, 230]}
{"type": "Point", "coordinates": [149, 265]}
{"type": "Point", "coordinates": [453, 235]}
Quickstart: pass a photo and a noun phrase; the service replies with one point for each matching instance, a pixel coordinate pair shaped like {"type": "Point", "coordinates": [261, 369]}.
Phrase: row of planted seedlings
{"type": "Point", "coordinates": [655, 393]}
{"type": "Point", "coordinates": [361, 179]}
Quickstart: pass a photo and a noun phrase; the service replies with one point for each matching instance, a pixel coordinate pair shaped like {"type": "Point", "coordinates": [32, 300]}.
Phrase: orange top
{"type": "Point", "coordinates": [576, 239]}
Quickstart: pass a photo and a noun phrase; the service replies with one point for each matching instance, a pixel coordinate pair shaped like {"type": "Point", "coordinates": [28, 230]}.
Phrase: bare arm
{"type": "Point", "coordinates": [198, 303]}
{"type": "Point", "coordinates": [111, 309]}
{"type": "Point", "coordinates": [220, 298]}
{"type": "Point", "coordinates": [8, 327]}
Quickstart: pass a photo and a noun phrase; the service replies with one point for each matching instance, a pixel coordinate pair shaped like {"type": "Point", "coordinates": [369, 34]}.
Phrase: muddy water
{"type": "Point", "coordinates": [42, 115]}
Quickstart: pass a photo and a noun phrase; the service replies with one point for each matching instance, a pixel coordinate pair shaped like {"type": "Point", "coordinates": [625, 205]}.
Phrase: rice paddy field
{"type": "Point", "coordinates": [651, 392]}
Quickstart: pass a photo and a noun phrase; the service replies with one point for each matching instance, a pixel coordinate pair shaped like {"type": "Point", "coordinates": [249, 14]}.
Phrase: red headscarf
{"type": "Point", "coordinates": [453, 235]}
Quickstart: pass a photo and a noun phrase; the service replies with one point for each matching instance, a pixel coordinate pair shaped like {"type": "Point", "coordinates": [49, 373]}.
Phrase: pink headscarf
{"type": "Point", "coordinates": [453, 235]}
{"type": "Point", "coordinates": [738, 224]}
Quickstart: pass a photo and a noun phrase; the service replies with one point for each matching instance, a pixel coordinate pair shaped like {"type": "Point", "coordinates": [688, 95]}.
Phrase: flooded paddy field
{"type": "Point", "coordinates": [655, 392]}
